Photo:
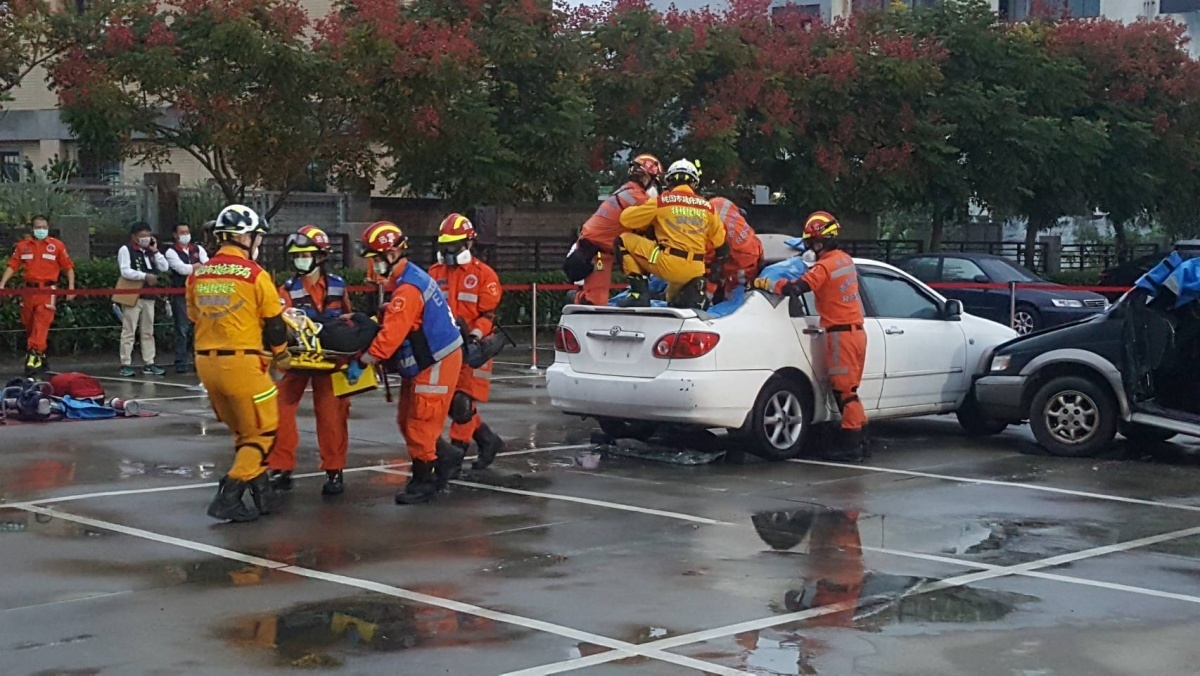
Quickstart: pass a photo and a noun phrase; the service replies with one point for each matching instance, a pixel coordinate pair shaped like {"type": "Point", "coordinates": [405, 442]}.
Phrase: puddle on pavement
{"type": "Point", "coordinates": [635, 635]}
{"type": "Point", "coordinates": [325, 634]}
{"type": "Point", "coordinates": [205, 572]}
{"type": "Point", "coordinates": [14, 521]}
{"type": "Point", "coordinates": [539, 565]}
{"type": "Point", "coordinates": [34, 645]}
{"type": "Point", "coordinates": [128, 469]}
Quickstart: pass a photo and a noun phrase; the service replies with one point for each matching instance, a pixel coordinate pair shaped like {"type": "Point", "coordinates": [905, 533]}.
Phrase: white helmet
{"type": "Point", "coordinates": [236, 219]}
{"type": "Point", "coordinates": [683, 171]}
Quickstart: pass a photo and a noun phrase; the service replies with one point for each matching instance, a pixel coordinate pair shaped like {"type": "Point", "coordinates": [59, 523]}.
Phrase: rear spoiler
{"type": "Point", "coordinates": [676, 313]}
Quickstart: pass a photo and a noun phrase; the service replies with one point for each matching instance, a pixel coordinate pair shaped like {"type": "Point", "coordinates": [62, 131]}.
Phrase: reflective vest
{"type": "Point", "coordinates": [438, 336]}
{"type": "Point", "coordinates": [335, 298]}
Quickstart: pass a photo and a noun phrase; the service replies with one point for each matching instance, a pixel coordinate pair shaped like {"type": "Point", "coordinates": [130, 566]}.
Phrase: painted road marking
{"type": "Point", "coordinates": [623, 648]}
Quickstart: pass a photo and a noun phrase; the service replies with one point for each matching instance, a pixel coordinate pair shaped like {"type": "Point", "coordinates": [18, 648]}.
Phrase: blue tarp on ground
{"type": "Point", "coordinates": [1180, 277]}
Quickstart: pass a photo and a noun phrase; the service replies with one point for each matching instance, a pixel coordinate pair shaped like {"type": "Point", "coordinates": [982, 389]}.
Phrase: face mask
{"type": "Point", "coordinates": [40, 233]}
{"type": "Point", "coordinates": [184, 240]}
{"type": "Point", "coordinates": [143, 242]}
{"type": "Point", "coordinates": [303, 264]}
{"type": "Point", "coordinates": [456, 258]}
{"type": "Point", "coordinates": [809, 257]}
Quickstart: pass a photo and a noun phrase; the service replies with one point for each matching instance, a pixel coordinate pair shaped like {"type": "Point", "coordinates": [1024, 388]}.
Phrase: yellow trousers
{"type": "Point", "coordinates": [245, 398]}
{"type": "Point", "coordinates": [645, 257]}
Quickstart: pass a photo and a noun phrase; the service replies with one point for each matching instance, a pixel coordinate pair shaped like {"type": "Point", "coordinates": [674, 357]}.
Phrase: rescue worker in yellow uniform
{"type": "Point", "coordinates": [685, 225]}
{"type": "Point", "coordinates": [472, 289]}
{"type": "Point", "coordinates": [241, 349]}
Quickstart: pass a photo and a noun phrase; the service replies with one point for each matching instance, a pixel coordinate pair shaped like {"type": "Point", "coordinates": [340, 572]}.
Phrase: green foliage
{"type": "Point", "coordinates": [40, 194]}
{"type": "Point", "coordinates": [1075, 277]}
{"type": "Point", "coordinates": [200, 204]}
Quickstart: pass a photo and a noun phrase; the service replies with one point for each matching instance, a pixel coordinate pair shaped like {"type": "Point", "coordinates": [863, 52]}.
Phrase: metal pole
{"type": "Point", "coordinates": [533, 322]}
{"type": "Point", "coordinates": [1012, 304]}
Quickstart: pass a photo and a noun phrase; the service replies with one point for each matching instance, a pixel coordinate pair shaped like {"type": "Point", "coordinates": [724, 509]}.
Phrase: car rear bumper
{"type": "Point", "coordinates": [1000, 397]}
{"type": "Point", "coordinates": [708, 398]}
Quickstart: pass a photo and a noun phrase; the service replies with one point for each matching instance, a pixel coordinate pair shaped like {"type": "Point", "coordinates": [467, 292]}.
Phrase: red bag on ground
{"type": "Point", "coordinates": [76, 385]}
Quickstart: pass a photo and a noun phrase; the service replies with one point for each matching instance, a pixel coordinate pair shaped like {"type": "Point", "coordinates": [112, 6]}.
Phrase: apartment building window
{"type": "Point", "coordinates": [1083, 8]}
{"type": "Point", "coordinates": [1178, 6]}
{"type": "Point", "coordinates": [10, 166]}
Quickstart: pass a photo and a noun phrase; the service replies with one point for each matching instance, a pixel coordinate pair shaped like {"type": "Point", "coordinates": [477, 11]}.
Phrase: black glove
{"type": "Point", "coordinates": [794, 289]}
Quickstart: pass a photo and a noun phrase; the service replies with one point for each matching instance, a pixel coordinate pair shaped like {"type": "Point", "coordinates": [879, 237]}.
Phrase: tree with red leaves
{"type": "Point", "coordinates": [236, 84]}
{"type": "Point", "coordinates": [28, 41]}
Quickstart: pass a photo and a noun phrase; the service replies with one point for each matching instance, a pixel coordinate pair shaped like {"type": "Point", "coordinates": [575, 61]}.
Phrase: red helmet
{"type": "Point", "coordinates": [646, 165]}
{"type": "Point", "coordinates": [382, 237]}
{"type": "Point", "coordinates": [309, 238]}
{"type": "Point", "coordinates": [821, 225]}
{"type": "Point", "coordinates": [454, 228]}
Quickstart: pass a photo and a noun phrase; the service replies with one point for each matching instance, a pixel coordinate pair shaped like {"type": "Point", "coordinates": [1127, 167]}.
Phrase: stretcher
{"type": "Point", "coordinates": [304, 344]}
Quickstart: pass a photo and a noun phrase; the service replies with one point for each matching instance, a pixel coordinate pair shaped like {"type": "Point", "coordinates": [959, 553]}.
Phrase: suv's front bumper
{"type": "Point", "coordinates": [1001, 397]}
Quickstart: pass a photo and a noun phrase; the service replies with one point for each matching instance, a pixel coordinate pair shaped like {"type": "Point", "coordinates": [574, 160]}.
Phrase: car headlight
{"type": "Point", "coordinates": [1064, 302]}
{"type": "Point", "coordinates": [1000, 363]}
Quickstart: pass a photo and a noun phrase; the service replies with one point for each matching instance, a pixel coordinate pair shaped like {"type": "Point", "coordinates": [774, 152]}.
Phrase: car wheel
{"type": "Point", "coordinates": [974, 422]}
{"type": "Point", "coordinates": [618, 428]}
{"type": "Point", "coordinates": [1026, 320]}
{"type": "Point", "coordinates": [781, 419]}
{"type": "Point", "coordinates": [1145, 434]}
{"type": "Point", "coordinates": [1073, 417]}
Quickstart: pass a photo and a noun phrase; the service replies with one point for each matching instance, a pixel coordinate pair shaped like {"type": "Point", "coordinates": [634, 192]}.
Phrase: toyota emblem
{"type": "Point", "coordinates": [614, 331]}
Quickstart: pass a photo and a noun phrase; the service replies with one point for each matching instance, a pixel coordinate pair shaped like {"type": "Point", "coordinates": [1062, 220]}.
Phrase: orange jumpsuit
{"type": "Point", "coordinates": [228, 300]}
{"type": "Point", "coordinates": [425, 399]}
{"type": "Point", "coordinates": [834, 283]}
{"type": "Point", "coordinates": [332, 413]}
{"type": "Point", "coordinates": [746, 251]}
{"type": "Point", "coordinates": [473, 293]}
{"type": "Point", "coordinates": [602, 229]}
{"type": "Point", "coordinates": [44, 261]}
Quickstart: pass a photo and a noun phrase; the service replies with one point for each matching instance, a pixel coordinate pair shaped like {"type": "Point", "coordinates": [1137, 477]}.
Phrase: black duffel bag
{"type": "Point", "coordinates": [581, 261]}
{"type": "Point", "coordinates": [348, 333]}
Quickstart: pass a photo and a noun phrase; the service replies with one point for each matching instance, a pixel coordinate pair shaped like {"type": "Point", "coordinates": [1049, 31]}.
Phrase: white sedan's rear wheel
{"type": "Point", "coordinates": [781, 419]}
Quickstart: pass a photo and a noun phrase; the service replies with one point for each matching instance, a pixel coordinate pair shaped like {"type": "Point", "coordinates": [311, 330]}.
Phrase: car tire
{"type": "Point", "coordinates": [973, 420]}
{"type": "Point", "coordinates": [781, 421]}
{"type": "Point", "coordinates": [619, 428]}
{"type": "Point", "coordinates": [1145, 434]}
{"type": "Point", "coordinates": [1073, 417]}
{"type": "Point", "coordinates": [1026, 320]}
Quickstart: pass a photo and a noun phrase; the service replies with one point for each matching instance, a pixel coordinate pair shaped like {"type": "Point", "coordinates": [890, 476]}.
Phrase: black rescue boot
{"type": "Point", "coordinates": [228, 505]}
{"type": "Point", "coordinates": [489, 444]}
{"type": "Point", "coordinates": [850, 447]}
{"type": "Point", "coordinates": [333, 483]}
{"type": "Point", "coordinates": [422, 486]}
{"type": "Point", "coordinates": [691, 296]}
{"type": "Point", "coordinates": [449, 462]}
{"type": "Point", "coordinates": [281, 479]}
{"type": "Point", "coordinates": [263, 494]}
{"type": "Point", "coordinates": [639, 292]}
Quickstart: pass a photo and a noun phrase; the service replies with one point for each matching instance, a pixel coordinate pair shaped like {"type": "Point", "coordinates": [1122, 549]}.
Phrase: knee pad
{"type": "Point", "coordinates": [462, 408]}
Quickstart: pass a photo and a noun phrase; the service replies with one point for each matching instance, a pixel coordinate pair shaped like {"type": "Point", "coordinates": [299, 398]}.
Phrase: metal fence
{"type": "Point", "coordinates": [886, 250]}
{"type": "Point", "coordinates": [1014, 251]}
{"type": "Point", "coordinates": [273, 251]}
{"type": "Point", "coordinates": [1101, 256]}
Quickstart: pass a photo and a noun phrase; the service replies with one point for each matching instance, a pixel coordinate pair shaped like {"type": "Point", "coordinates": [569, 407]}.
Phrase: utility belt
{"type": "Point", "coordinates": [680, 253]}
{"type": "Point", "coordinates": [844, 327]}
{"type": "Point", "coordinates": [229, 353]}
{"type": "Point", "coordinates": [41, 285]}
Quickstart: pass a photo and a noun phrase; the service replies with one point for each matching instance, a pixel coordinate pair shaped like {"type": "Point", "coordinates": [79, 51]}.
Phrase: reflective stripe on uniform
{"type": "Point", "coordinates": [49, 257]}
{"type": "Point", "coordinates": [431, 389]}
{"type": "Point", "coordinates": [266, 396]}
{"type": "Point", "coordinates": [842, 272]}
{"type": "Point", "coordinates": [655, 254]}
{"type": "Point", "coordinates": [469, 297]}
{"type": "Point", "coordinates": [435, 372]}
{"type": "Point", "coordinates": [835, 353]}
{"type": "Point", "coordinates": [26, 257]}
{"type": "Point", "coordinates": [725, 210]}
{"type": "Point", "coordinates": [298, 293]}
{"type": "Point", "coordinates": [482, 373]}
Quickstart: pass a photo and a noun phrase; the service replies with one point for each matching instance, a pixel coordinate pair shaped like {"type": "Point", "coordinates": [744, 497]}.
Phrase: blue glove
{"type": "Point", "coordinates": [354, 371]}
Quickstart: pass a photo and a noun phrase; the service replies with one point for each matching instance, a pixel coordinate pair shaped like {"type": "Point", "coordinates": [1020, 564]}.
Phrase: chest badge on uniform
{"type": "Point", "coordinates": [471, 282]}
{"type": "Point", "coordinates": [50, 248]}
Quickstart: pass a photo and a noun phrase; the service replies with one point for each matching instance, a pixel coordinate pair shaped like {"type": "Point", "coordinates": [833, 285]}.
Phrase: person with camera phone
{"type": "Point", "coordinates": [141, 263]}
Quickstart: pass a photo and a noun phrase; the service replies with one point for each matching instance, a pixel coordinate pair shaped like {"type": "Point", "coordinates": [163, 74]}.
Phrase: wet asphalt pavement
{"type": "Point", "coordinates": [942, 555]}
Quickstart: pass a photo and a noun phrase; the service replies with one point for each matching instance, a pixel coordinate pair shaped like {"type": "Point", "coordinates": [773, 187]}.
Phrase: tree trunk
{"type": "Point", "coordinates": [1122, 240]}
{"type": "Point", "coordinates": [937, 231]}
{"type": "Point", "coordinates": [1032, 227]}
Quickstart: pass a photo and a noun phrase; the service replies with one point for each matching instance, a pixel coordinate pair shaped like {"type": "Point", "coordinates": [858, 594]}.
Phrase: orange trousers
{"type": "Point", "coordinates": [37, 314]}
{"type": "Point", "coordinates": [846, 351]}
{"type": "Point", "coordinates": [424, 405]}
{"type": "Point", "coordinates": [246, 399]}
{"type": "Point", "coordinates": [837, 549]}
{"type": "Point", "coordinates": [476, 384]}
{"type": "Point", "coordinates": [597, 287]}
{"type": "Point", "coordinates": [333, 420]}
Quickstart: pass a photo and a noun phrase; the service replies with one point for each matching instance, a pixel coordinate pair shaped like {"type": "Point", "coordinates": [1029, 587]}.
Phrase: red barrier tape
{"type": "Point", "coordinates": [89, 293]}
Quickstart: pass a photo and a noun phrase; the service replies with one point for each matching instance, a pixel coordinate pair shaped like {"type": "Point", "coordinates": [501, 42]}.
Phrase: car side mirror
{"type": "Point", "coordinates": [796, 307]}
{"type": "Point", "coordinates": [952, 311]}
{"type": "Point", "coordinates": [981, 279]}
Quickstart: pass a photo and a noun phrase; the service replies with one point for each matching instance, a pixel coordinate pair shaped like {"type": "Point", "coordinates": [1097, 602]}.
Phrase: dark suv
{"type": "Point", "coordinates": [1135, 369]}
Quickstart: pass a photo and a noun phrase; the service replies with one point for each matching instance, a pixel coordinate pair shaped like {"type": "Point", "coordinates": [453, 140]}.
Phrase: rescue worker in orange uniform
{"type": "Point", "coordinates": [833, 281]}
{"type": "Point", "coordinates": [472, 289]}
{"type": "Point", "coordinates": [241, 347]}
{"type": "Point", "coordinates": [322, 296]}
{"type": "Point", "coordinates": [685, 226]}
{"type": "Point", "coordinates": [420, 337]}
{"type": "Point", "coordinates": [44, 259]}
{"type": "Point", "coordinates": [592, 255]}
{"type": "Point", "coordinates": [745, 257]}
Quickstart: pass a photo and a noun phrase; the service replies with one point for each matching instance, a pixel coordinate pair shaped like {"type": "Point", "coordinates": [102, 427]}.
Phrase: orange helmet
{"type": "Point", "coordinates": [646, 165]}
{"type": "Point", "coordinates": [382, 237]}
{"type": "Point", "coordinates": [821, 225]}
{"type": "Point", "coordinates": [455, 228]}
{"type": "Point", "coordinates": [309, 238]}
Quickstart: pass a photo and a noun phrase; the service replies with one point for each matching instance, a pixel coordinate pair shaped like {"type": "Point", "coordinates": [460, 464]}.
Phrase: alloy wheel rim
{"type": "Point", "coordinates": [1072, 417]}
{"type": "Point", "coordinates": [784, 420]}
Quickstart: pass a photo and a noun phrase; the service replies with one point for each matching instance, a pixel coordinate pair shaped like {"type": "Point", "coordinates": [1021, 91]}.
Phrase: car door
{"type": "Point", "coordinates": [812, 339]}
{"type": "Point", "coordinates": [926, 355]}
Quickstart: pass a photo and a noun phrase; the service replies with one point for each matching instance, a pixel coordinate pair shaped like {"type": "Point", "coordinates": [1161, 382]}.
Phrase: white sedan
{"type": "Point", "coordinates": [755, 371]}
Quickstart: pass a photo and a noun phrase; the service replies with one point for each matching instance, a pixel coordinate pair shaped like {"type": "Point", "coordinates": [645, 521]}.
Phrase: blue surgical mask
{"type": "Point", "coordinates": [40, 233]}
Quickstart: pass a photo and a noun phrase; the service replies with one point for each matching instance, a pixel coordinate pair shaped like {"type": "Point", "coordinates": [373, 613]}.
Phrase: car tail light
{"type": "Point", "coordinates": [685, 345]}
{"type": "Point", "coordinates": [565, 340]}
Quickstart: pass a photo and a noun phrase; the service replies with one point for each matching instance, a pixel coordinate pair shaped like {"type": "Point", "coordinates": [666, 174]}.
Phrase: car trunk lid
{"type": "Point", "coordinates": [620, 341]}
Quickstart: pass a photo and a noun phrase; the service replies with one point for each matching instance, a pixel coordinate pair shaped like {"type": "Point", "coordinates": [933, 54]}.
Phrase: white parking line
{"type": "Point", "coordinates": [160, 383]}
{"type": "Point", "coordinates": [180, 398]}
{"type": "Point", "coordinates": [996, 482]}
{"type": "Point", "coordinates": [623, 648]}
{"type": "Point", "coordinates": [789, 618]}
{"type": "Point", "coordinates": [582, 501]}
